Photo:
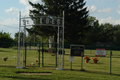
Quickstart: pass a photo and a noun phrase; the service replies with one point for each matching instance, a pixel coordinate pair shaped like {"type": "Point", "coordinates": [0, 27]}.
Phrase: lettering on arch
{"type": "Point", "coordinates": [42, 20]}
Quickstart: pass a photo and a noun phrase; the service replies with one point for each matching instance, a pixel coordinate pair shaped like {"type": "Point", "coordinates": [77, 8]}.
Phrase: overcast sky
{"type": "Point", "coordinates": [103, 10]}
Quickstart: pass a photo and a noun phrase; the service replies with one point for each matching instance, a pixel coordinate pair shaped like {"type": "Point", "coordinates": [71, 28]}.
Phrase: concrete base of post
{"type": "Point", "coordinates": [21, 67]}
{"type": "Point", "coordinates": [59, 69]}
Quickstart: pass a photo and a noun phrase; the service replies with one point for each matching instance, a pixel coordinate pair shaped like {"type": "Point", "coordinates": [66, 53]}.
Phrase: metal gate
{"type": "Point", "coordinates": [49, 55]}
{"type": "Point", "coordinates": [32, 54]}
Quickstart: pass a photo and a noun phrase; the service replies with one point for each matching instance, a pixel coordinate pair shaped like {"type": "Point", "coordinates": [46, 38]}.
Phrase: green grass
{"type": "Point", "coordinates": [99, 71]}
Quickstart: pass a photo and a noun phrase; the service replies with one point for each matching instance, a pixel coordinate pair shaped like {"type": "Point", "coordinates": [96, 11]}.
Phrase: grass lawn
{"type": "Point", "coordinates": [99, 71]}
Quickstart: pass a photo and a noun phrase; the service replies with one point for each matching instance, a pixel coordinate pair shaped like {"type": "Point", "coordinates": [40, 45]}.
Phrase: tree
{"type": "Point", "coordinates": [21, 37]}
{"type": "Point", "coordinates": [5, 40]}
{"type": "Point", "coordinates": [32, 38]}
{"type": "Point", "coordinates": [107, 33]}
{"type": "Point", "coordinates": [92, 35]}
{"type": "Point", "coordinates": [117, 35]}
{"type": "Point", "coordinates": [16, 36]}
{"type": "Point", "coordinates": [75, 18]}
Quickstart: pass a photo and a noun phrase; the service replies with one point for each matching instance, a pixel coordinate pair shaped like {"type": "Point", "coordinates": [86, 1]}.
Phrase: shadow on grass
{"type": "Point", "coordinates": [95, 72]}
{"type": "Point", "coordinates": [101, 72]}
{"type": "Point", "coordinates": [18, 72]}
{"type": "Point", "coordinates": [97, 63]}
{"type": "Point", "coordinates": [23, 78]}
{"type": "Point", "coordinates": [10, 66]}
{"type": "Point", "coordinates": [7, 66]}
{"type": "Point", "coordinates": [3, 51]}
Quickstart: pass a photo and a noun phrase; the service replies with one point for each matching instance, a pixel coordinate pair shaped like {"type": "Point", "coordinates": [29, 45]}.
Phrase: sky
{"type": "Point", "coordinates": [106, 11]}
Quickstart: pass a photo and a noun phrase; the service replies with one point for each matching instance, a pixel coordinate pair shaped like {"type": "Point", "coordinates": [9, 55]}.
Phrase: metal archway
{"type": "Point", "coordinates": [47, 21]}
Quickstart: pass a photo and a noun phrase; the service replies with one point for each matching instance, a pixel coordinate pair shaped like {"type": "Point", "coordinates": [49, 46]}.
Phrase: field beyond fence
{"type": "Point", "coordinates": [99, 71]}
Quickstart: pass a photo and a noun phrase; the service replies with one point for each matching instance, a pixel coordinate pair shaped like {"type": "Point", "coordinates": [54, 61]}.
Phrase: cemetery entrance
{"type": "Point", "coordinates": [45, 21]}
{"type": "Point", "coordinates": [49, 54]}
{"type": "Point", "coordinates": [32, 54]}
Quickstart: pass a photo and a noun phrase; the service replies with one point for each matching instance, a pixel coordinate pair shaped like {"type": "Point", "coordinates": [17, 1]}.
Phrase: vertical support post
{"type": "Point", "coordinates": [82, 64]}
{"type": "Point", "coordinates": [71, 65]}
{"type": "Point", "coordinates": [60, 46]}
{"type": "Point", "coordinates": [56, 53]}
{"type": "Point", "coordinates": [25, 54]}
{"type": "Point", "coordinates": [63, 43]}
{"type": "Point", "coordinates": [24, 42]}
{"type": "Point", "coordinates": [42, 55]}
{"type": "Point", "coordinates": [58, 49]}
{"type": "Point", "coordinates": [19, 40]}
{"type": "Point", "coordinates": [110, 60]}
{"type": "Point", "coordinates": [39, 56]}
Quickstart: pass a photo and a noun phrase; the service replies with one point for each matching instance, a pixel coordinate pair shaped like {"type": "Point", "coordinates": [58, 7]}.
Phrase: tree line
{"type": "Point", "coordinates": [6, 40]}
{"type": "Point", "coordinates": [97, 33]}
{"type": "Point", "coordinates": [80, 28]}
{"type": "Point", "coordinates": [106, 33]}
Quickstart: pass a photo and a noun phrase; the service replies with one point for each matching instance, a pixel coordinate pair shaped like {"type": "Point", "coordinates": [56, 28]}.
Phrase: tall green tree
{"type": "Point", "coordinates": [92, 35]}
{"type": "Point", "coordinates": [75, 18]}
{"type": "Point", "coordinates": [107, 33]}
{"type": "Point", "coordinates": [17, 36]}
{"type": "Point", "coordinates": [117, 35]}
{"type": "Point", "coordinates": [32, 38]}
{"type": "Point", "coordinates": [5, 40]}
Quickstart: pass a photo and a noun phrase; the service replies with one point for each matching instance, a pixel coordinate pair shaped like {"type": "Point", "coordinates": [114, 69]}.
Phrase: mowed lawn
{"type": "Point", "coordinates": [99, 71]}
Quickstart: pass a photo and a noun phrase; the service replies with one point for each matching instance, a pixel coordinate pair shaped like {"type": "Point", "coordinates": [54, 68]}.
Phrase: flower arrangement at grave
{"type": "Point", "coordinates": [87, 59]}
{"type": "Point", "coordinates": [5, 58]}
{"type": "Point", "coordinates": [95, 60]}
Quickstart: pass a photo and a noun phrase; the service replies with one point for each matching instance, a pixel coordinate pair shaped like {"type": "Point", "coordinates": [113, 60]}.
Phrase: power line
{"type": "Point", "coordinates": [8, 26]}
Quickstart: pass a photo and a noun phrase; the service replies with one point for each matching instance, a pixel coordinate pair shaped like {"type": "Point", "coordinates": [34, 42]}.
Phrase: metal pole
{"type": "Point", "coordinates": [110, 60]}
{"type": "Point", "coordinates": [58, 49]}
{"type": "Point", "coordinates": [19, 38]}
{"type": "Point", "coordinates": [63, 43]}
{"type": "Point", "coordinates": [24, 58]}
{"type": "Point", "coordinates": [71, 65]}
{"type": "Point", "coordinates": [42, 54]}
{"type": "Point", "coordinates": [24, 40]}
{"type": "Point", "coordinates": [25, 54]}
{"type": "Point", "coordinates": [82, 64]}
{"type": "Point", "coordinates": [56, 53]}
{"type": "Point", "coordinates": [23, 45]}
{"type": "Point", "coordinates": [39, 54]}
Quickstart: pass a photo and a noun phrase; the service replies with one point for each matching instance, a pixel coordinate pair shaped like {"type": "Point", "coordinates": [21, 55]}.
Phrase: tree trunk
{"type": "Point", "coordinates": [50, 42]}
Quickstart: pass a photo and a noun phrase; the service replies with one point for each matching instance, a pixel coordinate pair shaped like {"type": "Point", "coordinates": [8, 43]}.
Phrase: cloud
{"type": "Point", "coordinates": [26, 3]}
{"type": "Point", "coordinates": [119, 6]}
{"type": "Point", "coordinates": [118, 11]}
{"type": "Point", "coordinates": [109, 20]}
{"type": "Point", "coordinates": [25, 11]}
{"type": "Point", "coordinates": [107, 10]}
{"type": "Point", "coordinates": [9, 22]}
{"type": "Point", "coordinates": [9, 25]}
{"type": "Point", "coordinates": [118, 0]}
{"type": "Point", "coordinates": [92, 8]}
{"type": "Point", "coordinates": [12, 10]}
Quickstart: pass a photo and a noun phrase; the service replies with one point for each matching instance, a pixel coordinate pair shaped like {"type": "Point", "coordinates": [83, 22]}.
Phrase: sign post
{"type": "Point", "coordinates": [77, 50]}
{"type": "Point", "coordinates": [82, 63]}
{"type": "Point", "coordinates": [71, 59]}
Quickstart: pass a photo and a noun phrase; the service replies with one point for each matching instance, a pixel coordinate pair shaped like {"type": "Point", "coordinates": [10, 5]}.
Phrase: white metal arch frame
{"type": "Point", "coordinates": [43, 20]}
